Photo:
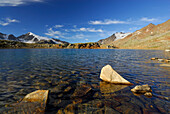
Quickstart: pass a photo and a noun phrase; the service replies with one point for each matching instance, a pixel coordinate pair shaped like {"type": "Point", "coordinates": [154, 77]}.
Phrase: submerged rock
{"type": "Point", "coordinates": [109, 75]}
{"type": "Point", "coordinates": [165, 65]}
{"type": "Point", "coordinates": [81, 91]}
{"type": "Point", "coordinates": [148, 94]}
{"type": "Point", "coordinates": [167, 60]}
{"type": "Point", "coordinates": [33, 103]}
{"type": "Point", "coordinates": [154, 58]}
{"type": "Point", "coordinates": [37, 96]}
{"type": "Point", "coordinates": [141, 89]}
{"type": "Point", "coordinates": [167, 50]}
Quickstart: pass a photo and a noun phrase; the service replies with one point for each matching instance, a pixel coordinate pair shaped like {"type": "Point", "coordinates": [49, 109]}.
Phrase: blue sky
{"type": "Point", "coordinates": [80, 20]}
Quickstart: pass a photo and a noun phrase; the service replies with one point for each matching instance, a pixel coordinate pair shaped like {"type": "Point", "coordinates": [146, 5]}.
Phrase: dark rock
{"type": "Point", "coordinates": [81, 91]}
{"type": "Point", "coordinates": [70, 109]}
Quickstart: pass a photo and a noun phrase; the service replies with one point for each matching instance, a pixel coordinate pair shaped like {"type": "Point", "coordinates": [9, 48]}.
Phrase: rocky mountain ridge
{"type": "Point", "coordinates": [31, 38]}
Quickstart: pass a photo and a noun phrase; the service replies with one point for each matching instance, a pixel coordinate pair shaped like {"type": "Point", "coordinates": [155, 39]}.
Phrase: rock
{"type": "Point", "coordinates": [78, 100]}
{"type": "Point", "coordinates": [81, 91]}
{"type": "Point", "coordinates": [68, 89]}
{"type": "Point", "coordinates": [154, 58]}
{"type": "Point", "coordinates": [70, 109]}
{"type": "Point", "coordinates": [167, 50]}
{"type": "Point", "coordinates": [161, 60]}
{"type": "Point", "coordinates": [148, 94]}
{"type": "Point", "coordinates": [167, 60]}
{"type": "Point", "coordinates": [33, 103]}
{"type": "Point", "coordinates": [37, 96]}
{"type": "Point", "coordinates": [109, 75]}
{"type": "Point", "coordinates": [141, 89]}
{"type": "Point", "coordinates": [165, 65]}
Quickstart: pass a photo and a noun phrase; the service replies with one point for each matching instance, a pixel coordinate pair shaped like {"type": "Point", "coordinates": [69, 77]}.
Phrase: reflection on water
{"type": "Point", "coordinates": [110, 88]}
{"type": "Point", "coordinates": [63, 70]}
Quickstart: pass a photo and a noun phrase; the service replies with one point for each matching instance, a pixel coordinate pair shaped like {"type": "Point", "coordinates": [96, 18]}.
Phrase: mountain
{"type": "Point", "coordinates": [8, 37]}
{"type": "Point", "coordinates": [116, 36]}
{"type": "Point", "coordinates": [149, 37]}
{"type": "Point", "coordinates": [32, 38]}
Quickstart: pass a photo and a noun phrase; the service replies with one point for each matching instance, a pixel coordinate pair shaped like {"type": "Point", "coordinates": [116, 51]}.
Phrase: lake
{"type": "Point", "coordinates": [62, 71]}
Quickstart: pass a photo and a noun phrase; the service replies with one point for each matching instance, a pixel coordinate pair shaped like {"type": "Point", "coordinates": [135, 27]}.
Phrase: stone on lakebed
{"type": "Point", "coordinates": [109, 75]}
{"type": "Point", "coordinates": [37, 96]}
{"type": "Point", "coordinates": [141, 89]}
{"type": "Point", "coordinates": [33, 103]}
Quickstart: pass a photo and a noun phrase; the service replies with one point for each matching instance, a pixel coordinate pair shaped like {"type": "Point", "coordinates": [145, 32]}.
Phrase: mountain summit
{"type": "Point", "coordinates": [31, 38]}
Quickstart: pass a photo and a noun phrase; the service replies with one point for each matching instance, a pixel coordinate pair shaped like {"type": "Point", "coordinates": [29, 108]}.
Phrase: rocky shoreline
{"type": "Point", "coordinates": [5, 44]}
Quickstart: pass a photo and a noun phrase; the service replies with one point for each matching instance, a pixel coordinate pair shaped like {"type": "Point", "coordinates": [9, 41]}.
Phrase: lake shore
{"type": "Point", "coordinates": [5, 44]}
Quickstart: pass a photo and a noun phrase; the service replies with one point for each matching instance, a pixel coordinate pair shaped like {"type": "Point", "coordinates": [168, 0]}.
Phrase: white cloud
{"type": "Point", "coordinates": [107, 22]}
{"type": "Point", "coordinates": [54, 34]}
{"type": "Point", "coordinates": [128, 21]}
{"type": "Point", "coordinates": [11, 20]}
{"type": "Point", "coordinates": [133, 28]}
{"type": "Point", "coordinates": [148, 19]}
{"type": "Point", "coordinates": [86, 30]}
{"type": "Point", "coordinates": [7, 21]}
{"type": "Point", "coordinates": [77, 36]}
{"type": "Point", "coordinates": [58, 26]}
{"type": "Point", "coordinates": [16, 2]}
{"type": "Point", "coordinates": [86, 39]}
{"type": "Point", "coordinates": [75, 26]}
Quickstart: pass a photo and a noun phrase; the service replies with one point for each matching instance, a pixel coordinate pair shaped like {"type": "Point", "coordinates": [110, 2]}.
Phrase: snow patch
{"type": "Point", "coordinates": [38, 37]}
{"type": "Point", "coordinates": [147, 30]}
{"type": "Point", "coordinates": [56, 42]}
{"type": "Point", "coordinates": [5, 36]}
{"type": "Point", "coordinates": [120, 35]}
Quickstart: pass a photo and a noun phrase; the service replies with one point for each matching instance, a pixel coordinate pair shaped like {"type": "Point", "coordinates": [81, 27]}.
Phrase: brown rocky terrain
{"type": "Point", "coordinates": [17, 44]}
{"type": "Point", "coordinates": [149, 37]}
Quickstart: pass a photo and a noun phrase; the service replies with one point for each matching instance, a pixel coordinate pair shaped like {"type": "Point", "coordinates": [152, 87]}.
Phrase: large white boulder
{"type": "Point", "coordinates": [110, 75]}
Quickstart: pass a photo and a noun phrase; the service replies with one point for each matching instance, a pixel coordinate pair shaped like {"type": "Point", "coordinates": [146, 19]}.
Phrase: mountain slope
{"type": "Point", "coordinates": [149, 37]}
{"type": "Point", "coordinates": [115, 36]}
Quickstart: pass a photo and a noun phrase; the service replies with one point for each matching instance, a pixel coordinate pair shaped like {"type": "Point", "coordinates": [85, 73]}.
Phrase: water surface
{"type": "Point", "coordinates": [63, 70]}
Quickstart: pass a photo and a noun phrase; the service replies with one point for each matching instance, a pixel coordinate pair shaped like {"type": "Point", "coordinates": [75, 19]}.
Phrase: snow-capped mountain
{"type": "Point", "coordinates": [31, 38]}
{"type": "Point", "coordinates": [115, 36]}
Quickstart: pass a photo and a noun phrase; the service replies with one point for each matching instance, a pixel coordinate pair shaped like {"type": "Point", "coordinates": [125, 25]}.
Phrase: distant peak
{"type": "Point", "coordinates": [151, 24]}
{"type": "Point", "coordinates": [30, 33]}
